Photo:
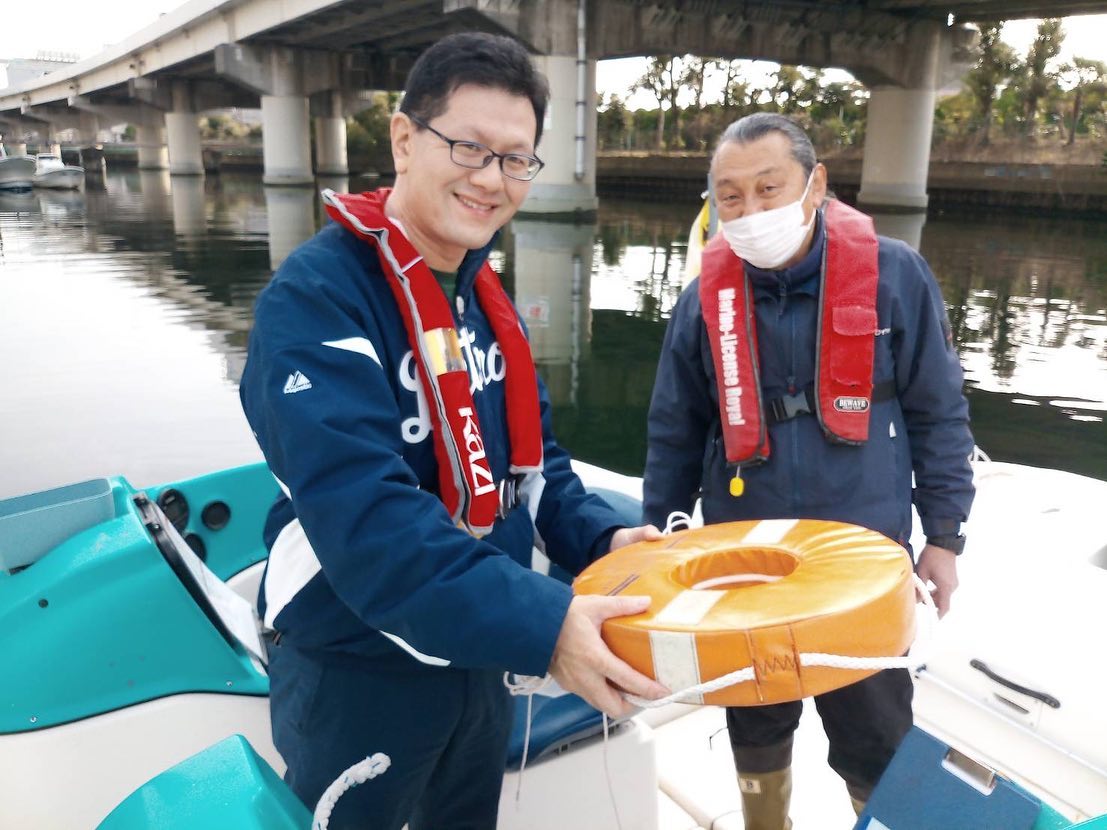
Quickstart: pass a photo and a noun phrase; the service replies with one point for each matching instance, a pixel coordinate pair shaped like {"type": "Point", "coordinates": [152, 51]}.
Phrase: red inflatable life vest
{"type": "Point", "coordinates": [466, 484]}
{"type": "Point", "coordinates": [847, 327]}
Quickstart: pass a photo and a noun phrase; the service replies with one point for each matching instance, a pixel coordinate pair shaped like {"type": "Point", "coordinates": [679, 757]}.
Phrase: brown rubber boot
{"type": "Point", "coordinates": [765, 798]}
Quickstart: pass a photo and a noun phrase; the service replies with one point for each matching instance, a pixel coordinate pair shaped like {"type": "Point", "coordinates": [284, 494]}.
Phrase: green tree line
{"type": "Point", "coordinates": [1032, 97]}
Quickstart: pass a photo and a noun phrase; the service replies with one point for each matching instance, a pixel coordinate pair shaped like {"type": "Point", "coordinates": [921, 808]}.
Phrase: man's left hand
{"type": "Point", "coordinates": [939, 566]}
{"type": "Point", "coordinates": [630, 535]}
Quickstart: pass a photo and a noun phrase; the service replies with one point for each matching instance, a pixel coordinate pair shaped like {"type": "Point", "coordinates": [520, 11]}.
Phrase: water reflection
{"type": "Point", "coordinates": [905, 226]}
{"type": "Point", "coordinates": [131, 301]}
{"type": "Point", "coordinates": [291, 212]}
{"type": "Point", "coordinates": [1027, 306]}
{"type": "Point", "coordinates": [15, 203]}
{"type": "Point", "coordinates": [61, 204]}
{"type": "Point", "coordinates": [552, 268]}
{"type": "Point", "coordinates": [189, 210]}
{"type": "Point", "coordinates": [154, 187]}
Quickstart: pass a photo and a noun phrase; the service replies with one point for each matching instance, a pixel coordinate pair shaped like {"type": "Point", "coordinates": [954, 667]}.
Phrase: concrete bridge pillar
{"type": "Point", "coordinates": [330, 137]}
{"type": "Point", "coordinates": [561, 31]}
{"type": "Point", "coordinates": [897, 148]}
{"type": "Point", "coordinates": [52, 143]}
{"type": "Point", "coordinates": [898, 129]}
{"type": "Point", "coordinates": [185, 155]}
{"type": "Point", "coordinates": [152, 152]}
{"type": "Point", "coordinates": [286, 79]}
{"type": "Point", "coordinates": [287, 145]}
{"type": "Point", "coordinates": [285, 124]}
{"type": "Point", "coordinates": [17, 148]}
{"type": "Point", "coordinates": [567, 184]}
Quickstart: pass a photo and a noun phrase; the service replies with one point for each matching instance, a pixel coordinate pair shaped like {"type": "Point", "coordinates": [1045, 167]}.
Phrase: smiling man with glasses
{"type": "Point", "coordinates": [391, 387]}
{"type": "Point", "coordinates": [476, 156]}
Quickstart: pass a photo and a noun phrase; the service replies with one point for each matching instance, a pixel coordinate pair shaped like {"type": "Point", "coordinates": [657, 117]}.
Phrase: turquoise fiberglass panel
{"type": "Point", "coordinates": [248, 492]}
{"type": "Point", "coordinates": [101, 622]}
{"type": "Point", "coordinates": [226, 785]}
{"type": "Point", "coordinates": [1050, 819]}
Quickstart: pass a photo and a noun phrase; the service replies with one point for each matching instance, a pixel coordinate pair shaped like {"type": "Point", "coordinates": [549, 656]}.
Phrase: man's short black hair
{"type": "Point", "coordinates": [477, 58]}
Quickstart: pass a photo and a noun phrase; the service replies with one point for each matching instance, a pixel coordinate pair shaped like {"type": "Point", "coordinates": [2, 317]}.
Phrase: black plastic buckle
{"type": "Point", "coordinates": [789, 406]}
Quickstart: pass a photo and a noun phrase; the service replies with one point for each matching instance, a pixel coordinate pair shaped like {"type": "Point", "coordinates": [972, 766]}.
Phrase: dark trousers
{"type": "Point", "coordinates": [445, 730]}
{"type": "Point", "coordinates": [864, 723]}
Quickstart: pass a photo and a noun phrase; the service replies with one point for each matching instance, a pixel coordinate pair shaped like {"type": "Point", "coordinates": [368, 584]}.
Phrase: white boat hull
{"type": "Point", "coordinates": [672, 769]}
{"type": "Point", "coordinates": [68, 178]}
{"type": "Point", "coordinates": [16, 172]}
{"type": "Point", "coordinates": [70, 777]}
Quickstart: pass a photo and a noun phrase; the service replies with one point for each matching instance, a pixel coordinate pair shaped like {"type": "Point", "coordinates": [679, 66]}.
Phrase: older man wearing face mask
{"type": "Point", "coordinates": [809, 372]}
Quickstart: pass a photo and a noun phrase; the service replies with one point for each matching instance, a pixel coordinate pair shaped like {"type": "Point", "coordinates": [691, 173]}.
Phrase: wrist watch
{"type": "Point", "coordinates": [950, 541]}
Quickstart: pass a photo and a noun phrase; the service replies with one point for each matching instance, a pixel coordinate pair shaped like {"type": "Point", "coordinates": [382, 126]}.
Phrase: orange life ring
{"type": "Point", "coordinates": [760, 594]}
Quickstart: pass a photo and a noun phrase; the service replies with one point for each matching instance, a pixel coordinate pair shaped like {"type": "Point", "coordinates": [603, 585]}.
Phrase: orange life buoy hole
{"type": "Point", "coordinates": [741, 567]}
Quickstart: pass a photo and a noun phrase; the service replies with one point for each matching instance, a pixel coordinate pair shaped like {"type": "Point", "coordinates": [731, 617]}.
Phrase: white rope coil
{"type": "Point", "coordinates": [359, 773]}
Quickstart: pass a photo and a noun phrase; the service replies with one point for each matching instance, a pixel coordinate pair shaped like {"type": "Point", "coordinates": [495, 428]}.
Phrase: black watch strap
{"type": "Point", "coordinates": [950, 541]}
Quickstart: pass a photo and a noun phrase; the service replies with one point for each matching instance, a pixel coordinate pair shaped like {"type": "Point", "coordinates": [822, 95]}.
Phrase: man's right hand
{"type": "Point", "coordinates": [583, 664]}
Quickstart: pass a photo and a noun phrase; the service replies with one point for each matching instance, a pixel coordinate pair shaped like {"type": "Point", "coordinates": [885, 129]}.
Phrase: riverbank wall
{"type": "Point", "coordinates": [990, 184]}
{"type": "Point", "coordinates": [1017, 185]}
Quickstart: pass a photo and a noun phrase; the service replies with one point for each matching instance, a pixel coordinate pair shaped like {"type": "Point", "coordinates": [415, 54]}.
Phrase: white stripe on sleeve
{"type": "Point", "coordinates": [358, 345]}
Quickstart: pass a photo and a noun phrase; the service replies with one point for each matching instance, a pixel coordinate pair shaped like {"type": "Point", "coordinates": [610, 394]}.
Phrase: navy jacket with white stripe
{"type": "Point", "coordinates": [363, 555]}
{"type": "Point", "coordinates": [919, 439]}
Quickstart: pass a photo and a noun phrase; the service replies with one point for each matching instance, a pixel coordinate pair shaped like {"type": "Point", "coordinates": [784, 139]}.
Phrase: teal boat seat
{"type": "Point", "coordinates": [226, 785]}
{"type": "Point", "coordinates": [34, 524]}
{"type": "Point", "coordinates": [928, 786]}
{"type": "Point", "coordinates": [132, 625]}
{"type": "Point", "coordinates": [556, 722]}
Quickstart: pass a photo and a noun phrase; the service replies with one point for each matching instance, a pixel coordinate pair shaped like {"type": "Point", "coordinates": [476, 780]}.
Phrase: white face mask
{"type": "Point", "coordinates": [769, 238]}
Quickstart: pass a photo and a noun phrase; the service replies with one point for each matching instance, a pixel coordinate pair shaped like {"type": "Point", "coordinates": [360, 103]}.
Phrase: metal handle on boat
{"type": "Point", "coordinates": [1048, 699]}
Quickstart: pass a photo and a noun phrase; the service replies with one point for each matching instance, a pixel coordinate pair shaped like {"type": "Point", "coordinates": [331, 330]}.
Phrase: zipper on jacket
{"type": "Point", "coordinates": [793, 423]}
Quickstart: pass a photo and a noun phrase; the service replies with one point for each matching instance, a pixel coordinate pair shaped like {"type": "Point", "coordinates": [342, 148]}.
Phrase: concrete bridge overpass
{"type": "Point", "coordinates": [313, 59]}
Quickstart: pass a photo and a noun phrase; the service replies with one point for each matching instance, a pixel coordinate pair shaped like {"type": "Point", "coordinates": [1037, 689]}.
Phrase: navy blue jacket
{"type": "Point", "coordinates": [363, 555]}
{"type": "Point", "coordinates": [922, 430]}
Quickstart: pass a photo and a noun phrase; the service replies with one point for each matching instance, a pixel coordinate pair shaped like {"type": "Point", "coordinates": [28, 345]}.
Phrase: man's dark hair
{"type": "Point", "coordinates": [759, 124]}
{"type": "Point", "coordinates": [493, 61]}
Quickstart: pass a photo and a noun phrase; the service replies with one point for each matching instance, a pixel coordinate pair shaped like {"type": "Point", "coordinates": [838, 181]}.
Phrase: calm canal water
{"type": "Point", "coordinates": [125, 310]}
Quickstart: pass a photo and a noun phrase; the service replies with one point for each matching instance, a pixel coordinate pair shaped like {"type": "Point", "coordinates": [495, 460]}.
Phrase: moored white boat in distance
{"type": "Point", "coordinates": [51, 171]}
{"type": "Point", "coordinates": [16, 172]}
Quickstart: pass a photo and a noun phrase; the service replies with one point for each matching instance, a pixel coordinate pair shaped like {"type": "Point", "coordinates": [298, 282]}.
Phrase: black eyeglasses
{"type": "Point", "coordinates": [475, 156]}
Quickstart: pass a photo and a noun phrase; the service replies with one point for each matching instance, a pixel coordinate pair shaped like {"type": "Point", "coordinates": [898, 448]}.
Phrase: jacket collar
{"type": "Point", "coordinates": [801, 278]}
{"type": "Point", "coordinates": [368, 208]}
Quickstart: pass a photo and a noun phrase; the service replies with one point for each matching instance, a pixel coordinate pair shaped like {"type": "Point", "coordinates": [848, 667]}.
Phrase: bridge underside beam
{"type": "Point", "coordinates": [877, 47]}
{"type": "Point", "coordinates": [972, 11]}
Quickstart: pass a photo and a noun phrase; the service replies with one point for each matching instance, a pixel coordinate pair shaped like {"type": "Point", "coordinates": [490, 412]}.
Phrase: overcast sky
{"type": "Point", "coordinates": [83, 29]}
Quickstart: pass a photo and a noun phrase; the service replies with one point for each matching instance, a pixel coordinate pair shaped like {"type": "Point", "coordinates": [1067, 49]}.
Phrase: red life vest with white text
{"type": "Point", "coordinates": [847, 327]}
{"type": "Point", "coordinates": [466, 484]}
